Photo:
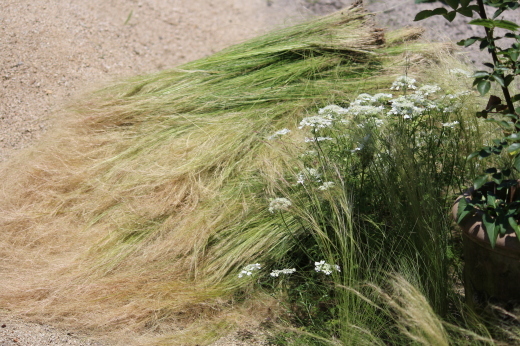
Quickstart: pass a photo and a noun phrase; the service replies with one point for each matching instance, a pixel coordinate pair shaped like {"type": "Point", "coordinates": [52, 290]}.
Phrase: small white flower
{"type": "Point", "coordinates": [308, 173]}
{"type": "Point", "coordinates": [279, 133]}
{"type": "Point", "coordinates": [366, 111]}
{"type": "Point", "coordinates": [317, 122]}
{"type": "Point", "coordinates": [407, 106]}
{"type": "Point", "coordinates": [326, 268]}
{"type": "Point", "coordinates": [450, 124]}
{"type": "Point", "coordinates": [332, 110]}
{"type": "Point", "coordinates": [279, 204]}
{"type": "Point", "coordinates": [326, 185]}
{"type": "Point", "coordinates": [364, 100]}
{"type": "Point", "coordinates": [276, 273]}
{"type": "Point", "coordinates": [361, 146]}
{"type": "Point", "coordinates": [382, 97]}
{"type": "Point", "coordinates": [249, 269]}
{"type": "Point", "coordinates": [403, 82]}
{"type": "Point", "coordinates": [428, 89]}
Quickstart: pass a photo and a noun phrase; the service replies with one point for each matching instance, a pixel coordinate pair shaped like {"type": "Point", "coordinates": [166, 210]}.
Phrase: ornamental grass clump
{"type": "Point", "coordinates": [363, 199]}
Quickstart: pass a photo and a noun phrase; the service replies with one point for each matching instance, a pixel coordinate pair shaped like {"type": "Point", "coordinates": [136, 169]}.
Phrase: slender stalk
{"type": "Point", "coordinates": [493, 51]}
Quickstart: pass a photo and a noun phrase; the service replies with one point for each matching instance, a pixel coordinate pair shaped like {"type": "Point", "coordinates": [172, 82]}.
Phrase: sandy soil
{"type": "Point", "coordinates": [53, 51]}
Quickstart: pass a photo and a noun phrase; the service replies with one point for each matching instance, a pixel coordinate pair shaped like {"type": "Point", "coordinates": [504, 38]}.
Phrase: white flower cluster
{"type": "Point", "coordinates": [365, 110]}
{"type": "Point", "coordinates": [279, 133]}
{"type": "Point", "coordinates": [369, 100]}
{"type": "Point", "coordinates": [333, 111]}
{"type": "Point", "coordinates": [249, 269]}
{"type": "Point", "coordinates": [326, 185]}
{"type": "Point", "coordinates": [403, 82]}
{"type": "Point", "coordinates": [406, 107]}
{"type": "Point", "coordinates": [316, 122]}
{"type": "Point", "coordinates": [311, 173]}
{"type": "Point", "coordinates": [382, 98]}
{"type": "Point", "coordinates": [428, 89]}
{"type": "Point", "coordinates": [371, 122]}
{"type": "Point", "coordinates": [279, 204]}
{"type": "Point", "coordinates": [276, 273]}
{"type": "Point", "coordinates": [325, 268]}
{"type": "Point", "coordinates": [450, 124]}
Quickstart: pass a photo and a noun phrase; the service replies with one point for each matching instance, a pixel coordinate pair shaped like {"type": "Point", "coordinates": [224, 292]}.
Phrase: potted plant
{"type": "Point", "coordinates": [489, 212]}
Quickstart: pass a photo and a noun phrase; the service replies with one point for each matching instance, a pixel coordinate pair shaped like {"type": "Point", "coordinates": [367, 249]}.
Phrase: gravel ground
{"type": "Point", "coordinates": [53, 51]}
{"type": "Point", "coordinates": [15, 332]}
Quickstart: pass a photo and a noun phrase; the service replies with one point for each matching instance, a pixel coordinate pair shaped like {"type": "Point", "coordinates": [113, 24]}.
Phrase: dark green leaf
{"type": "Point", "coordinates": [514, 137]}
{"type": "Point", "coordinates": [464, 3]}
{"type": "Point", "coordinates": [489, 227]}
{"type": "Point", "coordinates": [498, 13]}
{"type": "Point", "coordinates": [491, 200]}
{"type": "Point", "coordinates": [452, 3]}
{"type": "Point", "coordinates": [514, 226]}
{"type": "Point", "coordinates": [482, 114]}
{"type": "Point", "coordinates": [517, 165]}
{"type": "Point", "coordinates": [499, 79]}
{"type": "Point", "coordinates": [513, 148]}
{"type": "Point", "coordinates": [480, 74]}
{"type": "Point", "coordinates": [468, 42]}
{"type": "Point", "coordinates": [506, 172]}
{"type": "Point", "coordinates": [483, 87]}
{"type": "Point", "coordinates": [501, 227]}
{"type": "Point", "coordinates": [429, 13]}
{"type": "Point", "coordinates": [423, 15]}
{"type": "Point", "coordinates": [465, 12]}
{"type": "Point", "coordinates": [509, 78]}
{"type": "Point", "coordinates": [479, 181]}
{"type": "Point", "coordinates": [505, 24]}
{"type": "Point", "coordinates": [488, 23]}
{"type": "Point", "coordinates": [516, 98]}
{"type": "Point", "coordinates": [450, 16]}
{"type": "Point", "coordinates": [484, 152]}
{"type": "Point", "coordinates": [464, 209]}
{"type": "Point", "coordinates": [491, 170]}
{"type": "Point", "coordinates": [497, 178]}
{"type": "Point", "coordinates": [472, 155]}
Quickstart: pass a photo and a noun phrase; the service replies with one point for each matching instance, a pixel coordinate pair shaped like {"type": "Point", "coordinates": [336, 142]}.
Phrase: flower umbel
{"type": "Point", "coordinates": [317, 122]}
{"type": "Point", "coordinates": [276, 273]}
{"type": "Point", "coordinates": [249, 269]}
{"type": "Point", "coordinates": [279, 204]}
{"type": "Point", "coordinates": [279, 133]}
{"type": "Point", "coordinates": [403, 82]}
{"type": "Point", "coordinates": [325, 268]}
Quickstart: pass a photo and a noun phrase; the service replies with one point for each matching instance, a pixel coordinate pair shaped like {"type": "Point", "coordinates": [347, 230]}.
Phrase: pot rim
{"type": "Point", "coordinates": [472, 228]}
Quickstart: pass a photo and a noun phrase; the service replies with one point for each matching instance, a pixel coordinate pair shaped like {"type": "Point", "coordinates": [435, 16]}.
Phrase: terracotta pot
{"type": "Point", "coordinates": [488, 272]}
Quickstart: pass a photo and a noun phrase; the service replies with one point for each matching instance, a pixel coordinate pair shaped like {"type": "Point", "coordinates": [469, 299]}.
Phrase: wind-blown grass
{"type": "Point", "coordinates": [137, 211]}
